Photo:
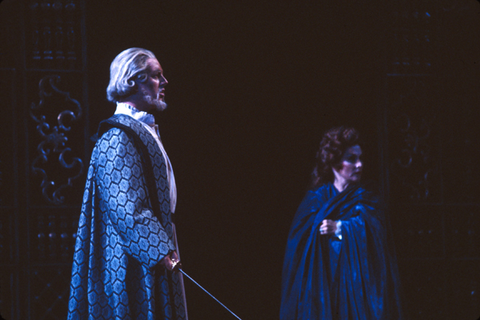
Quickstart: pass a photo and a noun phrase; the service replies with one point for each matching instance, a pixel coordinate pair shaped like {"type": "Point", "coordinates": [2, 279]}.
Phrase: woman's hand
{"type": "Point", "coordinates": [328, 227]}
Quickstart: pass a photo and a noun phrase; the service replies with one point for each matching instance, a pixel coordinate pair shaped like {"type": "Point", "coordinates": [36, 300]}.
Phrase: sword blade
{"type": "Point", "coordinates": [191, 279]}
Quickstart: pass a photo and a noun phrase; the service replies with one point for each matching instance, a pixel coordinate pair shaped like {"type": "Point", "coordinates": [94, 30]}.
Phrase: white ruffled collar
{"type": "Point", "coordinates": [124, 108]}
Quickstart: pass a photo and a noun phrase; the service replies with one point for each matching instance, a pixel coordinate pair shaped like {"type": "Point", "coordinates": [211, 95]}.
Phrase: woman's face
{"type": "Point", "coordinates": [350, 170]}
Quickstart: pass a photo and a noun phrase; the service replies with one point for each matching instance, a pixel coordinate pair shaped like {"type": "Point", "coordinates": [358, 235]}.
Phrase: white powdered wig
{"type": "Point", "coordinates": [129, 65]}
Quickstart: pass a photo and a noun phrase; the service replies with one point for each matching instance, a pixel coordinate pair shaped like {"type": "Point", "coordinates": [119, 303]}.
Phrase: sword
{"type": "Point", "coordinates": [177, 266]}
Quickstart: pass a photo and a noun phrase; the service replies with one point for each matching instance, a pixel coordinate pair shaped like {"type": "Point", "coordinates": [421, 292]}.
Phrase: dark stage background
{"type": "Point", "coordinates": [252, 86]}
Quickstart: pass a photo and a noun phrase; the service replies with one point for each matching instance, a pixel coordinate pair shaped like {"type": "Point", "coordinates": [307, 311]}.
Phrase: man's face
{"type": "Point", "coordinates": [351, 165]}
{"type": "Point", "coordinates": [153, 88]}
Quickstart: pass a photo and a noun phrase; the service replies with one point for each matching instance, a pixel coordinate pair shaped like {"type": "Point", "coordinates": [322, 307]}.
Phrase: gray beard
{"type": "Point", "coordinates": [159, 105]}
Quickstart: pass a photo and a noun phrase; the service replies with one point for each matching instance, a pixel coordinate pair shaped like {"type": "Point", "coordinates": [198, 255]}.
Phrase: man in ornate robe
{"type": "Point", "coordinates": [126, 243]}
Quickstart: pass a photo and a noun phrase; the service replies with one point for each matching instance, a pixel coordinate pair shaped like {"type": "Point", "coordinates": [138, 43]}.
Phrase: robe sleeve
{"type": "Point", "coordinates": [363, 263]}
{"type": "Point", "coordinates": [124, 194]}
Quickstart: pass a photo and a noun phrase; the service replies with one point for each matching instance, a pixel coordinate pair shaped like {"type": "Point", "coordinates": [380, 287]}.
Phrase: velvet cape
{"type": "Point", "coordinates": [353, 278]}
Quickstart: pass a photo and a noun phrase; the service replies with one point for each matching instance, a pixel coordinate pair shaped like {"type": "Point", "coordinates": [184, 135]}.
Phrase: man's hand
{"type": "Point", "coordinates": [328, 227]}
{"type": "Point", "coordinates": [170, 261]}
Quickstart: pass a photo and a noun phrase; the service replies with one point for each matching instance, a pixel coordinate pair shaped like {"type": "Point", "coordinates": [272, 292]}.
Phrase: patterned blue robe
{"type": "Point", "coordinates": [125, 230]}
{"type": "Point", "coordinates": [355, 278]}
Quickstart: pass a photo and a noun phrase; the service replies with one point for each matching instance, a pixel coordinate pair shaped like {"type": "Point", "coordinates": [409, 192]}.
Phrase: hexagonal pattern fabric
{"type": "Point", "coordinates": [125, 230]}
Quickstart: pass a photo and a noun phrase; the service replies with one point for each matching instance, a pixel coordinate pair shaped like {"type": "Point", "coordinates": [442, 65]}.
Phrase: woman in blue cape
{"type": "Point", "coordinates": [339, 262]}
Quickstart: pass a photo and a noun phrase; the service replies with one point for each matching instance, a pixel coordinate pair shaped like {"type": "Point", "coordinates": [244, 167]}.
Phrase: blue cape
{"type": "Point", "coordinates": [328, 278]}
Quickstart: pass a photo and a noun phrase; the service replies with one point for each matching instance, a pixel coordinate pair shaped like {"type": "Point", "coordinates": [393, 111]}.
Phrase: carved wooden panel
{"type": "Point", "coordinates": [43, 91]}
{"type": "Point", "coordinates": [52, 234]}
{"type": "Point", "coordinates": [53, 34]}
{"type": "Point", "coordinates": [412, 44]}
{"type": "Point", "coordinates": [433, 180]}
{"type": "Point", "coordinates": [413, 137]}
{"type": "Point", "coordinates": [56, 134]}
{"type": "Point", "coordinates": [49, 291]}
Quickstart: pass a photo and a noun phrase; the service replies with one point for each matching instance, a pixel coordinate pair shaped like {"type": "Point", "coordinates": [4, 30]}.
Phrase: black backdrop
{"type": "Point", "coordinates": [252, 85]}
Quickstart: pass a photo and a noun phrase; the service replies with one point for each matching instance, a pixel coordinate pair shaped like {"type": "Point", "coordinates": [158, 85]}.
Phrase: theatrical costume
{"type": "Point", "coordinates": [126, 228]}
{"type": "Point", "coordinates": [325, 277]}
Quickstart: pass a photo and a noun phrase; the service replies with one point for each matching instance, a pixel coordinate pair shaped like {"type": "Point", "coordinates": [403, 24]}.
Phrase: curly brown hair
{"type": "Point", "coordinates": [332, 147]}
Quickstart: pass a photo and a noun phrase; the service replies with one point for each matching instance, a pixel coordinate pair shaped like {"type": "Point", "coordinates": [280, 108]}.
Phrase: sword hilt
{"type": "Point", "coordinates": [176, 265]}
